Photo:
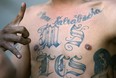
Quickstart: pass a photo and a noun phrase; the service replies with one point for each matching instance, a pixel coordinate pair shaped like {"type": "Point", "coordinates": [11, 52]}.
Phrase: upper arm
{"type": "Point", "coordinates": [109, 11]}
{"type": "Point", "coordinates": [110, 14]}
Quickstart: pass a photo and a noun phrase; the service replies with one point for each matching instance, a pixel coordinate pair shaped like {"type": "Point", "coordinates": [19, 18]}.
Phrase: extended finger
{"type": "Point", "coordinates": [11, 48]}
{"type": "Point", "coordinates": [18, 29]}
{"type": "Point", "coordinates": [16, 39]}
{"type": "Point", "coordinates": [20, 15]}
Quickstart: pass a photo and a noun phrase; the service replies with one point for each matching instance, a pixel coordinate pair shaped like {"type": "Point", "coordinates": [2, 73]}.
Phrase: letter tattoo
{"type": "Point", "coordinates": [48, 36]}
{"type": "Point", "coordinates": [60, 66]}
{"type": "Point", "coordinates": [77, 36]}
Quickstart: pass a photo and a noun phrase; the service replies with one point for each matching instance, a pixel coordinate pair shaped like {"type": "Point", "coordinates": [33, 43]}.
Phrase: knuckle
{"type": "Point", "coordinates": [14, 50]}
{"type": "Point", "coordinates": [5, 36]}
{"type": "Point", "coordinates": [19, 38]}
{"type": "Point", "coordinates": [23, 28]}
{"type": "Point", "coordinates": [24, 31]}
{"type": "Point", "coordinates": [4, 44]}
{"type": "Point", "coordinates": [5, 30]}
{"type": "Point", "coordinates": [10, 48]}
{"type": "Point", "coordinates": [23, 41]}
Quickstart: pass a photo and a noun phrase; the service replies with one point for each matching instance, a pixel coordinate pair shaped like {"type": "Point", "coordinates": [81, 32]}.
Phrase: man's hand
{"type": "Point", "coordinates": [9, 34]}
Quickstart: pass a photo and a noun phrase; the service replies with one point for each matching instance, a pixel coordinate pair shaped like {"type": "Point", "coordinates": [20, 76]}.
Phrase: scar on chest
{"type": "Point", "coordinates": [88, 47]}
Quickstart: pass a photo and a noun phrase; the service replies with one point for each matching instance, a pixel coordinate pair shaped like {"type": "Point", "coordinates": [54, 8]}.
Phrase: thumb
{"type": "Point", "coordinates": [20, 15]}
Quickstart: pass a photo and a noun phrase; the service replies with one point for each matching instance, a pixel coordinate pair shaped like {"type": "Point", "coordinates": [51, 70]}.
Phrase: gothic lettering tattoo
{"type": "Point", "coordinates": [77, 18]}
{"type": "Point", "coordinates": [43, 16]}
{"type": "Point", "coordinates": [48, 36]}
{"type": "Point", "coordinates": [44, 66]}
{"type": "Point", "coordinates": [44, 60]}
{"type": "Point", "coordinates": [61, 66]}
{"type": "Point", "coordinates": [104, 64]}
{"type": "Point", "coordinates": [49, 33]}
{"type": "Point", "coordinates": [77, 36]}
{"type": "Point", "coordinates": [60, 20]}
{"type": "Point", "coordinates": [62, 70]}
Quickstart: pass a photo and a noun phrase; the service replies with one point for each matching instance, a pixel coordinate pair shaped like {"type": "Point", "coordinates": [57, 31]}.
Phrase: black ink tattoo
{"type": "Point", "coordinates": [60, 20]}
{"type": "Point", "coordinates": [49, 33]}
{"type": "Point", "coordinates": [104, 64]}
{"type": "Point", "coordinates": [48, 36]}
{"type": "Point", "coordinates": [102, 60]}
{"type": "Point", "coordinates": [43, 16]}
{"type": "Point", "coordinates": [62, 71]}
{"type": "Point", "coordinates": [77, 36]}
{"type": "Point", "coordinates": [44, 66]}
{"type": "Point", "coordinates": [44, 60]}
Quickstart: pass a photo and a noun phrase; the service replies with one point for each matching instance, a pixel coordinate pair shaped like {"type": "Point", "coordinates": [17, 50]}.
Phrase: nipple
{"type": "Point", "coordinates": [88, 47]}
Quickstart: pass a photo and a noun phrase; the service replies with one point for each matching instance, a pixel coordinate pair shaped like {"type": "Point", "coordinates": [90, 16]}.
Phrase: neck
{"type": "Point", "coordinates": [67, 2]}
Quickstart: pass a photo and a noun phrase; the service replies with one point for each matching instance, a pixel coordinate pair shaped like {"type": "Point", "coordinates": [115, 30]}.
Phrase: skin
{"type": "Point", "coordinates": [8, 40]}
{"type": "Point", "coordinates": [61, 48]}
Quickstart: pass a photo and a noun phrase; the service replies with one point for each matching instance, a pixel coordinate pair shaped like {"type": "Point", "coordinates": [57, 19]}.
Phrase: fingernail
{"type": "Point", "coordinates": [19, 56]}
{"type": "Point", "coordinates": [23, 4]}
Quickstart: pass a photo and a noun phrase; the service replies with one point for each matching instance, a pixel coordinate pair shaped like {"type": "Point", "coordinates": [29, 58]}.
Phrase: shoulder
{"type": "Point", "coordinates": [103, 3]}
{"type": "Point", "coordinates": [109, 7]}
{"type": "Point", "coordinates": [107, 15]}
{"type": "Point", "coordinates": [30, 16]}
{"type": "Point", "coordinates": [31, 13]}
{"type": "Point", "coordinates": [34, 9]}
{"type": "Point", "coordinates": [109, 12]}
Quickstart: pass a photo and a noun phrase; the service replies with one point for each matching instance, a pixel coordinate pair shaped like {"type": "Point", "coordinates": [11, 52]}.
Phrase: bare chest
{"type": "Point", "coordinates": [66, 46]}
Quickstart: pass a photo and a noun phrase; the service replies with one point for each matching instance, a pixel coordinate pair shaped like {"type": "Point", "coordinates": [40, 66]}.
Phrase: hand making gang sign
{"type": "Point", "coordinates": [8, 35]}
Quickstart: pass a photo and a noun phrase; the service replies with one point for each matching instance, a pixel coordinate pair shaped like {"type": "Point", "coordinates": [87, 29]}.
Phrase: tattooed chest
{"type": "Point", "coordinates": [54, 35]}
{"type": "Point", "coordinates": [59, 65]}
{"type": "Point", "coordinates": [63, 29]}
{"type": "Point", "coordinates": [73, 66]}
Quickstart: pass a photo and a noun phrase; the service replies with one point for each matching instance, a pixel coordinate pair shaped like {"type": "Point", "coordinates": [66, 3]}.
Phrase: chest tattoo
{"type": "Point", "coordinates": [61, 64]}
{"type": "Point", "coordinates": [49, 33]}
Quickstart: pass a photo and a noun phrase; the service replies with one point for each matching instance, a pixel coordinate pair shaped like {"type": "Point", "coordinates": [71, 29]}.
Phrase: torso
{"type": "Point", "coordinates": [70, 43]}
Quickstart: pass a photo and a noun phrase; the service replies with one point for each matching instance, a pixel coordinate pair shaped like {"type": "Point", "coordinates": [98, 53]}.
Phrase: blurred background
{"type": "Point", "coordinates": [10, 8]}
